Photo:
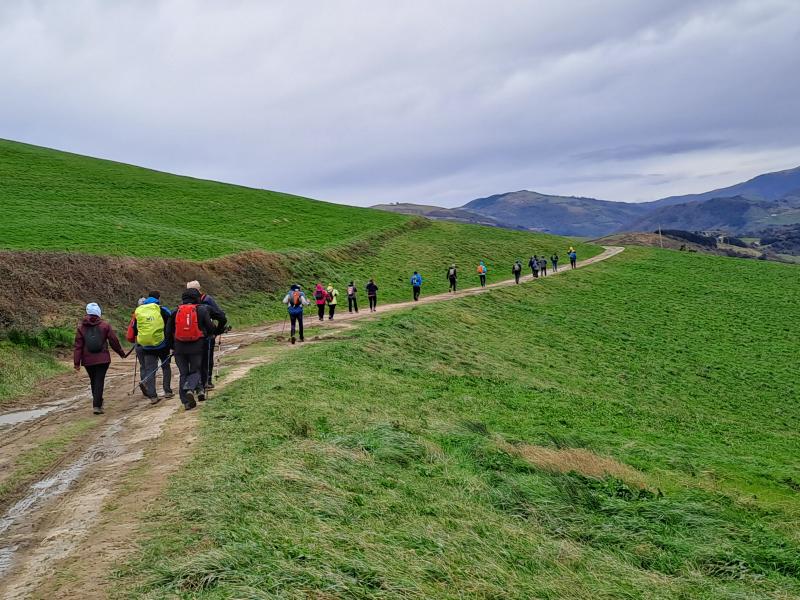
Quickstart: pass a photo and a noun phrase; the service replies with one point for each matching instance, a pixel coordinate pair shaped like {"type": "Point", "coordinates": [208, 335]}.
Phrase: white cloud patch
{"type": "Point", "coordinates": [436, 102]}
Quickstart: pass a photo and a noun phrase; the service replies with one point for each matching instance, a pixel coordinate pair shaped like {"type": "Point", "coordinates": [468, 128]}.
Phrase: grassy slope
{"type": "Point", "coordinates": [375, 466]}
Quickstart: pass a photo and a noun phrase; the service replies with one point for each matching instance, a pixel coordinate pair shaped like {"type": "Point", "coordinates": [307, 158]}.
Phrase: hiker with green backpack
{"type": "Point", "coordinates": [92, 339]}
{"type": "Point", "coordinates": [149, 322]}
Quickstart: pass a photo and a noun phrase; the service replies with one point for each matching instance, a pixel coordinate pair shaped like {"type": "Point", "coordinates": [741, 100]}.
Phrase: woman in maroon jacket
{"type": "Point", "coordinates": [91, 350]}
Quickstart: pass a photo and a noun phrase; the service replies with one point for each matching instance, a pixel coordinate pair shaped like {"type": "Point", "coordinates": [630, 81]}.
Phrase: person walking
{"type": "Point", "coordinates": [452, 277]}
{"type": "Point", "coordinates": [187, 330]}
{"type": "Point", "coordinates": [573, 258]}
{"type": "Point", "coordinates": [516, 270]}
{"type": "Point", "coordinates": [333, 299]}
{"type": "Point", "coordinates": [372, 295]}
{"type": "Point", "coordinates": [554, 262]}
{"type": "Point", "coordinates": [218, 316]}
{"type": "Point", "coordinates": [482, 273]}
{"type": "Point", "coordinates": [164, 355]}
{"type": "Point", "coordinates": [92, 339]}
{"type": "Point", "coordinates": [533, 263]}
{"type": "Point", "coordinates": [416, 285]}
{"type": "Point", "coordinates": [149, 322]}
{"type": "Point", "coordinates": [295, 300]}
{"type": "Point", "coordinates": [543, 266]}
{"type": "Point", "coordinates": [130, 336]}
{"type": "Point", "coordinates": [352, 297]}
{"type": "Point", "coordinates": [321, 298]}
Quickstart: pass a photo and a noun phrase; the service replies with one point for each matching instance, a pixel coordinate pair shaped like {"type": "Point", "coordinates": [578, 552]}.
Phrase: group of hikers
{"type": "Point", "coordinates": [190, 333]}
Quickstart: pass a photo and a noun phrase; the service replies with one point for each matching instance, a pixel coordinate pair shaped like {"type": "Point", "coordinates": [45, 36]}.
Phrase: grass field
{"type": "Point", "coordinates": [459, 450]}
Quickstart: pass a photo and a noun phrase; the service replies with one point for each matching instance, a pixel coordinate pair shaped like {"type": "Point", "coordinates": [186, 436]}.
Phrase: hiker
{"type": "Point", "coordinates": [187, 332]}
{"type": "Point", "coordinates": [295, 300]}
{"type": "Point", "coordinates": [573, 258]}
{"type": "Point", "coordinates": [149, 321]}
{"type": "Point", "coordinates": [92, 339]}
{"type": "Point", "coordinates": [516, 270]}
{"type": "Point", "coordinates": [320, 297]}
{"type": "Point", "coordinates": [352, 299]}
{"type": "Point", "coordinates": [416, 285]}
{"type": "Point", "coordinates": [372, 295]}
{"type": "Point", "coordinates": [452, 277]}
{"type": "Point", "coordinates": [482, 273]}
{"type": "Point", "coordinates": [130, 336]}
{"type": "Point", "coordinates": [534, 265]}
{"type": "Point", "coordinates": [543, 266]}
{"type": "Point", "coordinates": [554, 262]}
{"type": "Point", "coordinates": [218, 316]}
{"type": "Point", "coordinates": [333, 299]}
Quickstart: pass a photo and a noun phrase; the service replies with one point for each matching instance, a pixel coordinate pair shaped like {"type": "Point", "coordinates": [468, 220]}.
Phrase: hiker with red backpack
{"type": "Point", "coordinates": [92, 339]}
{"type": "Point", "coordinates": [187, 331]}
{"type": "Point", "coordinates": [321, 298]}
{"type": "Point", "coordinates": [352, 299]}
{"type": "Point", "coordinates": [482, 273]}
{"type": "Point", "coordinates": [218, 316]}
{"type": "Point", "coordinates": [295, 300]}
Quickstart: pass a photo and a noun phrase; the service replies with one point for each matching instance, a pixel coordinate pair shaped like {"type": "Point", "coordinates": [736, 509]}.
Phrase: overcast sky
{"type": "Point", "coordinates": [439, 102]}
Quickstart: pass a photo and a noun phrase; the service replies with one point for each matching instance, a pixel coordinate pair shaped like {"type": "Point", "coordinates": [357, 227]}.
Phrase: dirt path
{"type": "Point", "coordinates": [63, 534]}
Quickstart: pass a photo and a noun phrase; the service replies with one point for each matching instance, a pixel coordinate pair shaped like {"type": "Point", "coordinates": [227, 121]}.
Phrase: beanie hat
{"type": "Point", "coordinates": [93, 309]}
{"type": "Point", "coordinates": [193, 285]}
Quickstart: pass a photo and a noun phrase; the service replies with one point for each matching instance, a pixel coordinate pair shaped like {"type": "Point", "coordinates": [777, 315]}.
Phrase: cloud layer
{"type": "Point", "coordinates": [436, 102]}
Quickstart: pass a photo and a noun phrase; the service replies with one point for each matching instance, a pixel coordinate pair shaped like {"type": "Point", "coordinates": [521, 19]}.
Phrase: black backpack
{"type": "Point", "coordinates": [93, 339]}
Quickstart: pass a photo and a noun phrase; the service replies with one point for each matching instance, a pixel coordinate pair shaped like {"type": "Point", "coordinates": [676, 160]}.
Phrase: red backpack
{"type": "Point", "coordinates": [297, 298]}
{"type": "Point", "coordinates": [187, 327]}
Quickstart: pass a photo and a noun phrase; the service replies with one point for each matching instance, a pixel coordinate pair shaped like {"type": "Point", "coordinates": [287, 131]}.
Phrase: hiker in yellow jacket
{"type": "Point", "coordinates": [333, 298]}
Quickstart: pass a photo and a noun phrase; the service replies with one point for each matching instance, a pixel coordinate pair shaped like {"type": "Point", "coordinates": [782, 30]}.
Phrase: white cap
{"type": "Point", "coordinates": [93, 309]}
{"type": "Point", "coordinates": [193, 285]}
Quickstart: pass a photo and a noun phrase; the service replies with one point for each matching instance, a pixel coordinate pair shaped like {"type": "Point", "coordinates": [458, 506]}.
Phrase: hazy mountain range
{"type": "Point", "coordinates": [764, 201]}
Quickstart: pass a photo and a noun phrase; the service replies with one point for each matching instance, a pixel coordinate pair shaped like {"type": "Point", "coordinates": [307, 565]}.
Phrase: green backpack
{"type": "Point", "coordinates": [149, 325]}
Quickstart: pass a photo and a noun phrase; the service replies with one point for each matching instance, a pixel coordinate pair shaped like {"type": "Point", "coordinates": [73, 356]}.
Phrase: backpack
{"type": "Point", "coordinates": [187, 326]}
{"type": "Point", "coordinates": [451, 272]}
{"type": "Point", "coordinates": [351, 290]}
{"type": "Point", "coordinates": [93, 339]}
{"type": "Point", "coordinates": [319, 295]}
{"type": "Point", "coordinates": [149, 325]}
{"type": "Point", "coordinates": [296, 298]}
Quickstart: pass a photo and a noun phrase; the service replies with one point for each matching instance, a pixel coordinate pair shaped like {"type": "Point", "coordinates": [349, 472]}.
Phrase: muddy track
{"type": "Point", "coordinates": [61, 535]}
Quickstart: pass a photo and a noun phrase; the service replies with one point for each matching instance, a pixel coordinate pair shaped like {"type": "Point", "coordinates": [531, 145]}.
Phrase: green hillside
{"type": "Point", "coordinates": [456, 450]}
{"type": "Point", "coordinates": [54, 200]}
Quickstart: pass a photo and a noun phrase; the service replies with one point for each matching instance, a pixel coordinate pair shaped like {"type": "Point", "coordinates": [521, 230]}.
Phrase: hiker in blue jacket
{"type": "Point", "coordinates": [416, 284]}
{"type": "Point", "coordinates": [573, 258]}
{"type": "Point", "coordinates": [295, 300]}
{"type": "Point", "coordinates": [156, 355]}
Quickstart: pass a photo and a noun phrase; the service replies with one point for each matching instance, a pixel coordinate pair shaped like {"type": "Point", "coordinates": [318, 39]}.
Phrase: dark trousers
{"type": "Point", "coordinates": [555, 266]}
{"type": "Point", "coordinates": [452, 287]}
{"type": "Point", "coordinates": [572, 262]}
{"type": "Point", "coordinates": [535, 273]}
{"type": "Point", "coordinates": [331, 310]}
{"type": "Point", "coordinates": [544, 271]}
{"type": "Point", "coordinates": [166, 370]}
{"type": "Point", "coordinates": [416, 292]}
{"type": "Point", "coordinates": [516, 276]}
{"type": "Point", "coordinates": [207, 364]}
{"type": "Point", "coordinates": [373, 302]}
{"type": "Point", "coordinates": [352, 304]}
{"type": "Point", "coordinates": [149, 361]}
{"type": "Point", "coordinates": [97, 379]}
{"type": "Point", "coordinates": [189, 366]}
{"type": "Point", "coordinates": [321, 311]}
{"type": "Point", "coordinates": [483, 280]}
{"type": "Point", "coordinates": [296, 319]}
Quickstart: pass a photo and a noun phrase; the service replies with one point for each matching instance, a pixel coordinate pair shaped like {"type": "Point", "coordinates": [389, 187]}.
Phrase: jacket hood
{"type": "Point", "coordinates": [319, 287]}
{"type": "Point", "coordinates": [91, 320]}
{"type": "Point", "coordinates": [190, 296]}
{"type": "Point", "coordinates": [150, 300]}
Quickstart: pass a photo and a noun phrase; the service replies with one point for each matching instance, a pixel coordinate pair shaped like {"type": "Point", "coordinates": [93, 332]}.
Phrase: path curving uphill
{"type": "Point", "coordinates": [61, 535]}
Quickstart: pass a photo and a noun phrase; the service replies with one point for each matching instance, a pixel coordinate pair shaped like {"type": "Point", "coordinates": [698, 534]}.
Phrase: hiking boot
{"type": "Point", "coordinates": [98, 410]}
{"type": "Point", "coordinates": [169, 394]}
{"type": "Point", "coordinates": [209, 386]}
{"type": "Point", "coordinates": [143, 387]}
{"type": "Point", "coordinates": [155, 400]}
{"type": "Point", "coordinates": [190, 404]}
{"type": "Point", "coordinates": [189, 397]}
{"type": "Point", "coordinates": [302, 339]}
{"type": "Point", "coordinates": [293, 339]}
{"type": "Point", "coordinates": [201, 397]}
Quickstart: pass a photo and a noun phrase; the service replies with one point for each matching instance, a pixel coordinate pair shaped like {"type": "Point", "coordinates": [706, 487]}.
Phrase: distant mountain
{"type": "Point", "coordinates": [567, 215]}
{"type": "Point", "coordinates": [458, 215]}
{"type": "Point", "coordinates": [768, 187]}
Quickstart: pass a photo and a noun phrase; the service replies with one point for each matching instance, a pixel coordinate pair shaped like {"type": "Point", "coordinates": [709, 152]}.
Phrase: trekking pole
{"type": "Point", "coordinates": [285, 318]}
{"type": "Point", "coordinates": [135, 367]}
{"type": "Point", "coordinates": [161, 364]}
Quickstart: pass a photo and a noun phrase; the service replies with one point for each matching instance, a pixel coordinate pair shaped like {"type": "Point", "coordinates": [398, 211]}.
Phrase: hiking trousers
{"type": "Point", "coordinates": [331, 310]}
{"type": "Point", "coordinates": [321, 311]}
{"type": "Point", "coordinates": [150, 360]}
{"type": "Point", "coordinates": [207, 364]}
{"type": "Point", "coordinates": [352, 304]}
{"type": "Point", "coordinates": [166, 370]}
{"type": "Point", "coordinates": [97, 379]}
{"type": "Point", "coordinates": [572, 263]}
{"type": "Point", "coordinates": [373, 302]}
{"type": "Point", "coordinates": [296, 319]}
{"type": "Point", "coordinates": [416, 292]}
{"type": "Point", "coordinates": [189, 366]}
{"type": "Point", "coordinates": [536, 273]}
{"type": "Point", "coordinates": [544, 271]}
{"type": "Point", "coordinates": [555, 266]}
{"type": "Point", "coordinates": [516, 276]}
{"type": "Point", "coordinates": [452, 284]}
{"type": "Point", "coordinates": [483, 280]}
